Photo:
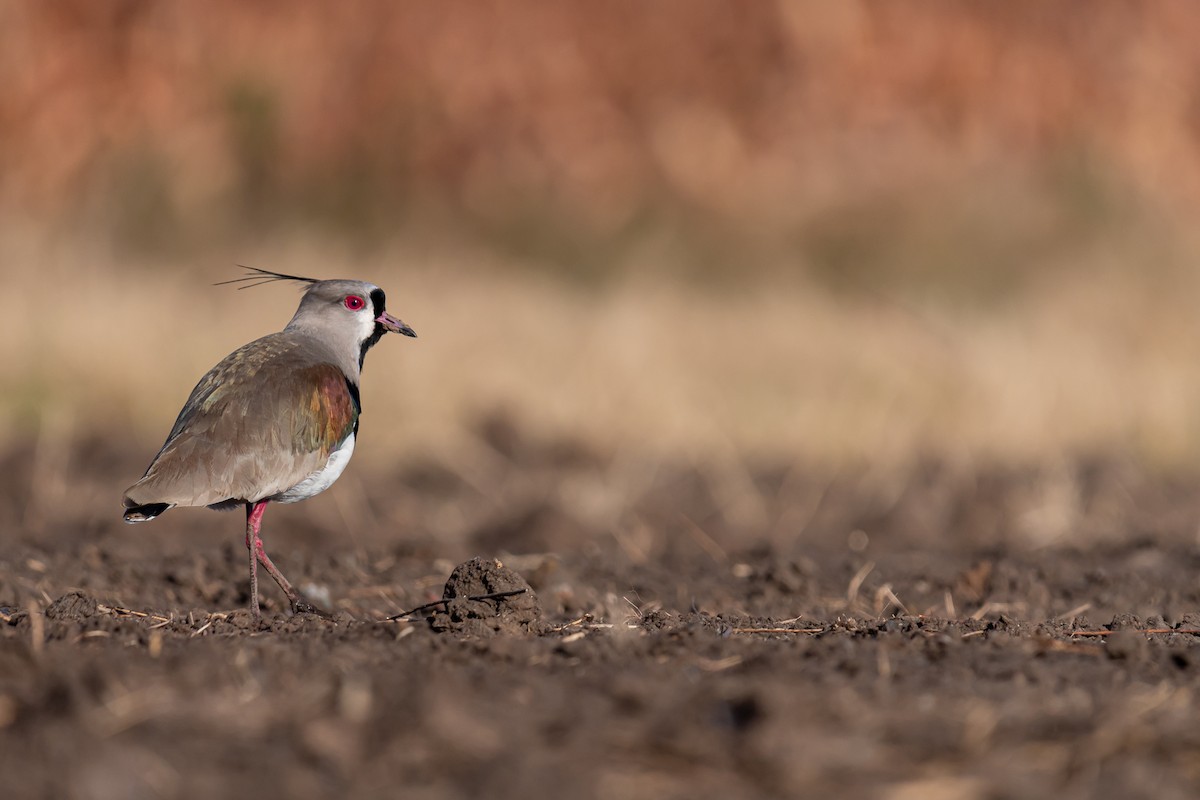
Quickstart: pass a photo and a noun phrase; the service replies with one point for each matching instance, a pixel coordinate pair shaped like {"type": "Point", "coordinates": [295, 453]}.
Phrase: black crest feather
{"type": "Point", "coordinates": [257, 277]}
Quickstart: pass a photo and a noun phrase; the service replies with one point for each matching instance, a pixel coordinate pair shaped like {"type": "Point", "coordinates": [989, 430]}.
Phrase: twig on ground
{"type": "Point", "coordinates": [445, 600]}
{"type": "Point", "coordinates": [1146, 631]}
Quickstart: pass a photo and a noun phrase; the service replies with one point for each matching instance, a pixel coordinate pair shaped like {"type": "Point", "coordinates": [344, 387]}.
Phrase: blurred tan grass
{"type": "Point", "coordinates": [1095, 358]}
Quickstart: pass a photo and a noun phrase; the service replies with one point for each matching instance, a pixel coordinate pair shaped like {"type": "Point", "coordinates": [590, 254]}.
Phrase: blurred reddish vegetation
{"type": "Point", "coordinates": [596, 116]}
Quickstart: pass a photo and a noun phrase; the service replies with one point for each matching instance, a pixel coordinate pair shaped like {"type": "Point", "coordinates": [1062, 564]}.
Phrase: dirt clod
{"type": "Point", "coordinates": [72, 606]}
{"type": "Point", "coordinates": [468, 608]}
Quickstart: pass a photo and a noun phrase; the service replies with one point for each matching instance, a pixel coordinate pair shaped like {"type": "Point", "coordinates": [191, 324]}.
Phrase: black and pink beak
{"type": "Point", "coordinates": [394, 325]}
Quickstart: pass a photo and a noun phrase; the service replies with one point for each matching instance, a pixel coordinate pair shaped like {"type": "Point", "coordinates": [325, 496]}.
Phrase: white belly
{"type": "Point", "coordinates": [323, 478]}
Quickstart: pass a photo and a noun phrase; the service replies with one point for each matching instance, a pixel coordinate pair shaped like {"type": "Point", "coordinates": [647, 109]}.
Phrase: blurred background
{"type": "Point", "coordinates": [707, 232]}
{"type": "Point", "coordinates": [784, 311]}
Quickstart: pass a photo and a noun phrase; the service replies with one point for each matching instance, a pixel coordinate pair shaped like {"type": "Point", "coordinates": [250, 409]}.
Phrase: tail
{"type": "Point", "coordinates": [135, 513]}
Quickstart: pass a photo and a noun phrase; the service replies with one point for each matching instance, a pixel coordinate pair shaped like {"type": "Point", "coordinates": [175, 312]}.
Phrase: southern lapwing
{"type": "Point", "coordinates": [275, 421]}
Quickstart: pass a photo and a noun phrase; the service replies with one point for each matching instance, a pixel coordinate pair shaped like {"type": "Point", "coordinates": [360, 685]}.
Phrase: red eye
{"type": "Point", "coordinates": [354, 302]}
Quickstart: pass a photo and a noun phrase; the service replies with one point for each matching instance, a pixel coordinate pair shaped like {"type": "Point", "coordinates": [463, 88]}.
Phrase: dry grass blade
{"type": "Point", "coordinates": [37, 630]}
{"type": "Point", "coordinates": [994, 608]}
{"type": "Point", "coordinates": [708, 544]}
{"type": "Point", "coordinates": [1074, 612]}
{"type": "Point", "coordinates": [586, 622]}
{"type": "Point", "coordinates": [720, 664]}
{"type": "Point", "coordinates": [883, 596]}
{"type": "Point", "coordinates": [120, 611]}
{"type": "Point", "coordinates": [857, 581]}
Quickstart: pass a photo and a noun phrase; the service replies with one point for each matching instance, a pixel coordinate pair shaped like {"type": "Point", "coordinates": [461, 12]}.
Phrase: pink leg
{"type": "Point", "coordinates": [273, 570]}
{"type": "Point", "coordinates": [258, 554]}
{"type": "Point", "coordinates": [254, 514]}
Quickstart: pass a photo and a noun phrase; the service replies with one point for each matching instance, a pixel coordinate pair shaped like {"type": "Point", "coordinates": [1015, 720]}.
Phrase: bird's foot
{"type": "Point", "coordinates": [301, 605]}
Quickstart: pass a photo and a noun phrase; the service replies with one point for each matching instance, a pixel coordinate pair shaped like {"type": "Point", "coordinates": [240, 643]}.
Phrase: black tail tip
{"type": "Point", "coordinates": [146, 512]}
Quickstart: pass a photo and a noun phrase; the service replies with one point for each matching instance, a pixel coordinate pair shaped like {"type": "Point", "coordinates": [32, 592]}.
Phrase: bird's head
{"type": "Point", "coordinates": [345, 313]}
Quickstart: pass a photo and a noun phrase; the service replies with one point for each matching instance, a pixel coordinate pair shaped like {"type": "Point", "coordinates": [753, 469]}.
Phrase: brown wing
{"type": "Point", "coordinates": [257, 424]}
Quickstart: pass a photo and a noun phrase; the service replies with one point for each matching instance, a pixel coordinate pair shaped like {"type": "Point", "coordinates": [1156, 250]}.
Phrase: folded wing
{"type": "Point", "coordinates": [257, 424]}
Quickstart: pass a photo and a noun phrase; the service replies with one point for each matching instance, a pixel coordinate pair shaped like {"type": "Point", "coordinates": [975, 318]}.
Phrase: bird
{"type": "Point", "coordinates": [275, 421]}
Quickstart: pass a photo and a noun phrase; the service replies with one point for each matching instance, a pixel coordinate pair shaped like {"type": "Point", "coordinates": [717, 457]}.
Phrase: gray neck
{"type": "Point", "coordinates": [342, 350]}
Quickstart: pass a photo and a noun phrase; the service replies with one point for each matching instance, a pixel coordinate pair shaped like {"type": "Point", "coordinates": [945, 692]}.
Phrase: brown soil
{"type": "Point", "coordinates": [770, 631]}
